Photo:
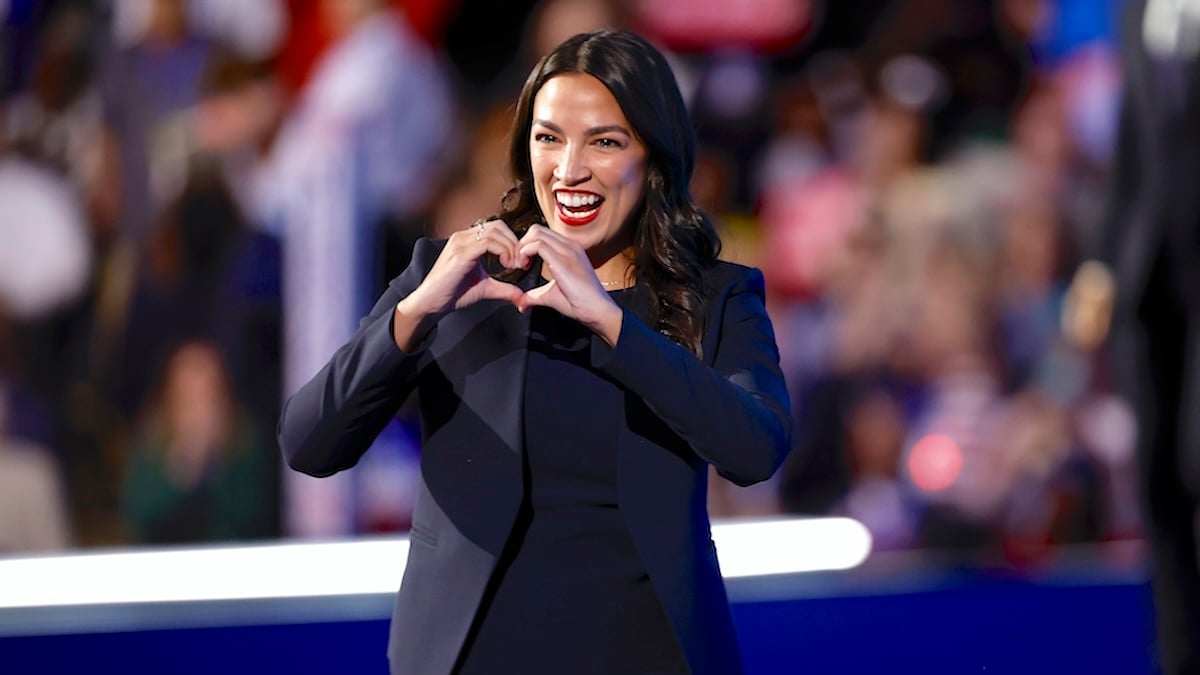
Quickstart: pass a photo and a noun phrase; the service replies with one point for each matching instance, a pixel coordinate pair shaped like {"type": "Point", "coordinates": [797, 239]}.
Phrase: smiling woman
{"type": "Point", "coordinates": [638, 120]}
{"type": "Point", "coordinates": [561, 526]}
{"type": "Point", "coordinates": [588, 169]}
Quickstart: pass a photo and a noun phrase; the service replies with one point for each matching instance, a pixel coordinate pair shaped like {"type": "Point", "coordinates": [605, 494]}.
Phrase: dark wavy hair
{"type": "Point", "coordinates": [674, 242]}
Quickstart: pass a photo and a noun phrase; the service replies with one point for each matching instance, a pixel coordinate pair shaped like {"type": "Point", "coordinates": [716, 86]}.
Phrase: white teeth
{"type": "Point", "coordinates": [575, 200]}
{"type": "Point", "coordinates": [580, 214]}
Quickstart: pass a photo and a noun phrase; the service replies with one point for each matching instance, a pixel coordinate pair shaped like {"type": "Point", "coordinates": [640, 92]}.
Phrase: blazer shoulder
{"type": "Point", "coordinates": [725, 277]}
{"type": "Point", "coordinates": [425, 253]}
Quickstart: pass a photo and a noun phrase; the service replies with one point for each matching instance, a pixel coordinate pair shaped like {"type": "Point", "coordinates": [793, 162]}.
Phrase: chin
{"type": "Point", "coordinates": [585, 239]}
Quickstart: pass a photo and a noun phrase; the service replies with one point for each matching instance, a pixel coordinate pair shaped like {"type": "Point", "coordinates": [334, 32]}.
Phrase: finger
{"type": "Point", "coordinates": [464, 250]}
{"type": "Point", "coordinates": [498, 231]}
{"type": "Point", "coordinates": [502, 229]}
{"type": "Point", "coordinates": [480, 240]}
{"type": "Point", "coordinates": [504, 250]}
{"type": "Point", "coordinates": [563, 263]}
{"type": "Point", "coordinates": [546, 295]}
{"type": "Point", "coordinates": [466, 241]}
{"type": "Point", "coordinates": [478, 249]}
{"type": "Point", "coordinates": [567, 249]}
{"type": "Point", "coordinates": [550, 251]}
{"type": "Point", "coordinates": [538, 232]}
{"type": "Point", "coordinates": [491, 289]}
{"type": "Point", "coordinates": [538, 248]}
{"type": "Point", "coordinates": [558, 239]}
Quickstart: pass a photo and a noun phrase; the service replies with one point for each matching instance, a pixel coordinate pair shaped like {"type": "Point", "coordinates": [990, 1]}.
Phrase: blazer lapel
{"type": "Point", "coordinates": [504, 401]}
{"type": "Point", "coordinates": [483, 350]}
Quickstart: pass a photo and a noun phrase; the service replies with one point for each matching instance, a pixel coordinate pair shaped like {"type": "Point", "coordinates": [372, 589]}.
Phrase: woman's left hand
{"type": "Point", "coordinates": [574, 290]}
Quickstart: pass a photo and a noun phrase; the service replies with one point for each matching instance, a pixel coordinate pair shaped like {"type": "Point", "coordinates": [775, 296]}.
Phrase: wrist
{"type": "Point", "coordinates": [411, 322]}
{"type": "Point", "coordinates": [412, 308]}
{"type": "Point", "coordinates": [608, 324]}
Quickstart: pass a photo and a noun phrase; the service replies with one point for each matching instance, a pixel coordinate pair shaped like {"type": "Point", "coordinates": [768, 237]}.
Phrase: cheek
{"type": "Point", "coordinates": [634, 181]}
{"type": "Point", "coordinates": [537, 163]}
{"type": "Point", "coordinates": [540, 171]}
{"type": "Point", "coordinates": [635, 172]}
{"type": "Point", "coordinates": [628, 176]}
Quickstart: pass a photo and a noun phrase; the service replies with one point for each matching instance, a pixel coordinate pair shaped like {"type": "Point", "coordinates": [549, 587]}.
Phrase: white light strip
{"type": "Point", "coordinates": [363, 567]}
{"type": "Point", "coordinates": [228, 573]}
{"type": "Point", "coordinates": [747, 549]}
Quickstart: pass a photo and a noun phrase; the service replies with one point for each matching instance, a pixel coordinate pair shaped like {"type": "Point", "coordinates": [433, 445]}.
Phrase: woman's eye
{"type": "Point", "coordinates": [608, 143]}
{"type": "Point", "coordinates": [544, 138]}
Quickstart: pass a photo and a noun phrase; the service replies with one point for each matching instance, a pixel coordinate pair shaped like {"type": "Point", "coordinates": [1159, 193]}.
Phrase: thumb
{"type": "Point", "coordinates": [492, 289]}
{"type": "Point", "coordinates": [548, 295]}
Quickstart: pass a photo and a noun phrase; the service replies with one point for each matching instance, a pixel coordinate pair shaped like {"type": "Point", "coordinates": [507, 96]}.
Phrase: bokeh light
{"type": "Point", "coordinates": [935, 463]}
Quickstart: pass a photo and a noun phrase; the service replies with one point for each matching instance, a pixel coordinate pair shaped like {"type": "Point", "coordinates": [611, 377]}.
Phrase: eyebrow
{"type": "Point", "coordinates": [594, 131]}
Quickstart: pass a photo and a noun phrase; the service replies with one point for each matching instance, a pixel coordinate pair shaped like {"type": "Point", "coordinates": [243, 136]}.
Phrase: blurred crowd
{"type": "Point", "coordinates": [198, 199]}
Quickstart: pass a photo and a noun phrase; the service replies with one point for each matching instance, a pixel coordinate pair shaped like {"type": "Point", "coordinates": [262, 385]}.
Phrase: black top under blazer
{"type": "Point", "coordinates": [729, 409]}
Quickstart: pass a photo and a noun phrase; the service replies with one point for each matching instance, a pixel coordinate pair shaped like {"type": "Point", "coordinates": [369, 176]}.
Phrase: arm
{"type": "Point", "coordinates": [735, 414]}
{"type": "Point", "coordinates": [332, 420]}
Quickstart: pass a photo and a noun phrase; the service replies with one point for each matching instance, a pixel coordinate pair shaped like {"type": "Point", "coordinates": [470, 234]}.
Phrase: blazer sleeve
{"type": "Point", "coordinates": [734, 414]}
{"type": "Point", "coordinates": [329, 423]}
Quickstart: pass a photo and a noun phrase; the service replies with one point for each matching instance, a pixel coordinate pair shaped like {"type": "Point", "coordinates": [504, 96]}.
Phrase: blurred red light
{"type": "Point", "coordinates": [935, 462]}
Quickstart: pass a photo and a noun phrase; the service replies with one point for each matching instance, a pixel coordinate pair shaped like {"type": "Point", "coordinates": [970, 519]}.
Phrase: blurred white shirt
{"type": "Point", "coordinates": [32, 513]}
{"type": "Point", "coordinates": [45, 260]}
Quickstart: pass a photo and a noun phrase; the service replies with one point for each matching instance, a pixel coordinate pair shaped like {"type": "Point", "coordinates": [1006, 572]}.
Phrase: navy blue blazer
{"type": "Point", "coordinates": [682, 413]}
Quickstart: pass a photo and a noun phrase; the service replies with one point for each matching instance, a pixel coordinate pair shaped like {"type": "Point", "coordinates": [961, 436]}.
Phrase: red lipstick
{"type": "Point", "coordinates": [580, 215]}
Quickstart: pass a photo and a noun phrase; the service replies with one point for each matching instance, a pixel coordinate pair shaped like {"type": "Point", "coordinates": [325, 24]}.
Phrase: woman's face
{"type": "Point", "coordinates": [589, 170]}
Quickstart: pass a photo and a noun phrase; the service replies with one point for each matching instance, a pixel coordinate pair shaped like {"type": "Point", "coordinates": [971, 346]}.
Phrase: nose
{"type": "Point", "coordinates": [571, 168]}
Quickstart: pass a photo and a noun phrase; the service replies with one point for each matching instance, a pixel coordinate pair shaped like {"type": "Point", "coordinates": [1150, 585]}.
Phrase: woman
{"type": "Point", "coordinates": [197, 467]}
{"type": "Point", "coordinates": [572, 399]}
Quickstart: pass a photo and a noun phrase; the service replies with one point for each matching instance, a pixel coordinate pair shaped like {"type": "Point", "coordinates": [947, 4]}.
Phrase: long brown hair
{"type": "Point", "coordinates": [673, 241]}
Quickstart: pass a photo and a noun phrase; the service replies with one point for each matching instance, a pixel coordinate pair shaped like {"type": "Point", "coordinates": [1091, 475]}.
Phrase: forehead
{"type": "Point", "coordinates": [577, 98]}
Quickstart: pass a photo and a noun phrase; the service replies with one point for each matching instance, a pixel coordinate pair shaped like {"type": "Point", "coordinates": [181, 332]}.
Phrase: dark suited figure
{"type": "Point", "coordinates": [1151, 245]}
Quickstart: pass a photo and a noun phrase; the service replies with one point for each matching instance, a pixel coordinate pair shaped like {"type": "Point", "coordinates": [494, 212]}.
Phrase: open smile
{"type": "Point", "coordinates": [577, 208]}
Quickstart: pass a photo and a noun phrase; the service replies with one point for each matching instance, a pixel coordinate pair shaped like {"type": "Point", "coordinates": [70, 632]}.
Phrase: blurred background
{"type": "Point", "coordinates": [199, 199]}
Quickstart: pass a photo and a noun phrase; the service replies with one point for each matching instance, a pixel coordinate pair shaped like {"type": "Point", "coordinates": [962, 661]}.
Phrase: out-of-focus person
{"type": "Point", "coordinates": [150, 82]}
{"type": "Point", "coordinates": [58, 120]}
{"type": "Point", "coordinates": [1146, 278]}
{"type": "Point", "coordinates": [45, 267]}
{"type": "Point", "coordinates": [198, 465]}
{"type": "Point", "coordinates": [361, 145]}
{"type": "Point", "coordinates": [208, 273]}
{"type": "Point", "coordinates": [478, 183]}
{"type": "Point", "coordinates": [33, 513]}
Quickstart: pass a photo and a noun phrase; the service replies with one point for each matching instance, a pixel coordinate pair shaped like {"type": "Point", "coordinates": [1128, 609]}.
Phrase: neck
{"type": "Point", "coordinates": [615, 271]}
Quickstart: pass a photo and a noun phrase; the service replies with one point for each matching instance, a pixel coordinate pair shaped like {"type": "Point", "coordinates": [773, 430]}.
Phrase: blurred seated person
{"type": "Point", "coordinates": [198, 467]}
{"type": "Point", "coordinates": [32, 512]}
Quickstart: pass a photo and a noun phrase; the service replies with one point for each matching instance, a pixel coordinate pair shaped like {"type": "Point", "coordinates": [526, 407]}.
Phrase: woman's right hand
{"type": "Point", "coordinates": [458, 279]}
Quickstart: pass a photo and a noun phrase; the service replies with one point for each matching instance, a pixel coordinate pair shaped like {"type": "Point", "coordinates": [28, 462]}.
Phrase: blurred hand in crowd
{"type": "Point", "coordinates": [1088, 307]}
